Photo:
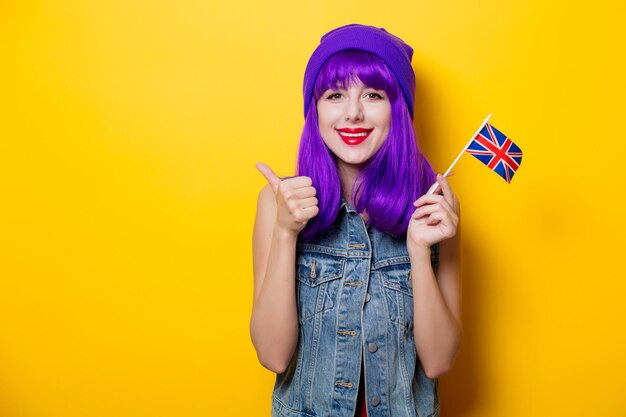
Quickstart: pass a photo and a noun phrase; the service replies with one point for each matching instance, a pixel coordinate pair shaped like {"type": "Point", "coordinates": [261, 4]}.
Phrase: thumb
{"type": "Point", "coordinates": [269, 175]}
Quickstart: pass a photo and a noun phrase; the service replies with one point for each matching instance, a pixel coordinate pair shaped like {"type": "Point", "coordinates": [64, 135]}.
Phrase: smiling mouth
{"type": "Point", "coordinates": [354, 138]}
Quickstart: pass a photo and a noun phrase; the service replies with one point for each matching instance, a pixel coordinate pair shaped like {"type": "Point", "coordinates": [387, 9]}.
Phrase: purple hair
{"type": "Point", "coordinates": [392, 179]}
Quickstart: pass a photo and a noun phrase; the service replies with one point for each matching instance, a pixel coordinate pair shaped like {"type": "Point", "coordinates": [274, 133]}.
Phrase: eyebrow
{"type": "Point", "coordinates": [365, 87]}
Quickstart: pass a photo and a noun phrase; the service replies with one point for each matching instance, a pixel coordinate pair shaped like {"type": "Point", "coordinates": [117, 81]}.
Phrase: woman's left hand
{"type": "Point", "coordinates": [435, 218]}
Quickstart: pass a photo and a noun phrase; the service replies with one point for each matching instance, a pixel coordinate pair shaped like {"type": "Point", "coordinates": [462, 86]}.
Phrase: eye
{"type": "Point", "coordinates": [375, 96]}
{"type": "Point", "coordinates": [333, 96]}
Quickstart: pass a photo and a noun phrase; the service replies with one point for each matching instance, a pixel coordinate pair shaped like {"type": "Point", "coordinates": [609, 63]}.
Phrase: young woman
{"type": "Point", "coordinates": [356, 271]}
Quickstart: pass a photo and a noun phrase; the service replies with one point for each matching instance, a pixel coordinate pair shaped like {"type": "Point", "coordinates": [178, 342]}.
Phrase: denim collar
{"type": "Point", "coordinates": [348, 206]}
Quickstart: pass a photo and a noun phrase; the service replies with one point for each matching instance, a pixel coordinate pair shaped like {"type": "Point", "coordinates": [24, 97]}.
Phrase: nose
{"type": "Point", "coordinates": [354, 110]}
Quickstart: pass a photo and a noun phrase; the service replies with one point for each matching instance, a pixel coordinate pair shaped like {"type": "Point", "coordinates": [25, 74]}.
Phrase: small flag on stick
{"type": "Point", "coordinates": [498, 152]}
{"type": "Point", "coordinates": [493, 149]}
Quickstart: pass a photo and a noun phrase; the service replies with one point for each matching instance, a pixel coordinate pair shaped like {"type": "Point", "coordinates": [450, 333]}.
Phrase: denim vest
{"type": "Point", "coordinates": [355, 307]}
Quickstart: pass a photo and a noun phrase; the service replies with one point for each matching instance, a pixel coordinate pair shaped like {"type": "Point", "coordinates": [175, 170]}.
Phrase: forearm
{"type": "Point", "coordinates": [274, 321]}
{"type": "Point", "coordinates": [436, 332]}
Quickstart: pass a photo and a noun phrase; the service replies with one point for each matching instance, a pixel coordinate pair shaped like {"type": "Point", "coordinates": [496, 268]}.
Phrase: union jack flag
{"type": "Point", "coordinates": [498, 152]}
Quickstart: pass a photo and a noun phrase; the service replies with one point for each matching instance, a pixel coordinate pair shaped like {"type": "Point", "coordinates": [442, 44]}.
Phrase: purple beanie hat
{"type": "Point", "coordinates": [391, 49]}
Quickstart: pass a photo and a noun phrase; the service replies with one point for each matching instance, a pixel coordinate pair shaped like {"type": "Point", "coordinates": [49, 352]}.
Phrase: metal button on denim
{"type": "Point", "coordinates": [368, 297]}
{"type": "Point", "coordinates": [373, 347]}
{"type": "Point", "coordinates": [375, 400]}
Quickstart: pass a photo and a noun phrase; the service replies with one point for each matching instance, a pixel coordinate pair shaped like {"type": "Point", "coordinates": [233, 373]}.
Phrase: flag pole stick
{"type": "Point", "coordinates": [436, 184]}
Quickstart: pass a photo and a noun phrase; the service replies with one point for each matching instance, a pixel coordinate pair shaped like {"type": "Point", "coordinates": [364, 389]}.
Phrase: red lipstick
{"type": "Point", "coordinates": [353, 136]}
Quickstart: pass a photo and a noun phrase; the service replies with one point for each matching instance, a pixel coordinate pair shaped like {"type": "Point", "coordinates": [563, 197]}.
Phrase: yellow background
{"type": "Point", "coordinates": [129, 132]}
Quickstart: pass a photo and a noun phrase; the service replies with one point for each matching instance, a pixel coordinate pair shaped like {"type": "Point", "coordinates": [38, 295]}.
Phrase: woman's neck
{"type": "Point", "coordinates": [348, 174]}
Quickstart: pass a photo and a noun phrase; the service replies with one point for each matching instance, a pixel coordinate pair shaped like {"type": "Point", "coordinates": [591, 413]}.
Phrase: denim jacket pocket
{"type": "Point", "coordinates": [317, 282]}
{"type": "Point", "coordinates": [281, 410]}
{"type": "Point", "coordinates": [396, 279]}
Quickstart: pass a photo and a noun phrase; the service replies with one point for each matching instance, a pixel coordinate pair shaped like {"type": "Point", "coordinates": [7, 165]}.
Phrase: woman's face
{"type": "Point", "coordinates": [354, 122]}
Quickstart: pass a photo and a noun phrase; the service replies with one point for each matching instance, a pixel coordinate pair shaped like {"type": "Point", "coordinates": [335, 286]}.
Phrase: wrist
{"type": "Point", "coordinates": [417, 252]}
{"type": "Point", "coordinates": [285, 235]}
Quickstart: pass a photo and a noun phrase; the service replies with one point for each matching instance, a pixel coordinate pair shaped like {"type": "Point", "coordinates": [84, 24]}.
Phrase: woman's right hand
{"type": "Point", "coordinates": [296, 203]}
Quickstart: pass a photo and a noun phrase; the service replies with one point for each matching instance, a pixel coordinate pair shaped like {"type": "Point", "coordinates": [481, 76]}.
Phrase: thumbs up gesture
{"type": "Point", "coordinates": [295, 199]}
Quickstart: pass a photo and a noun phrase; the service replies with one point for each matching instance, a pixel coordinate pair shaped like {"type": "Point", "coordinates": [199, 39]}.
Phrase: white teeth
{"type": "Point", "coordinates": [354, 135]}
